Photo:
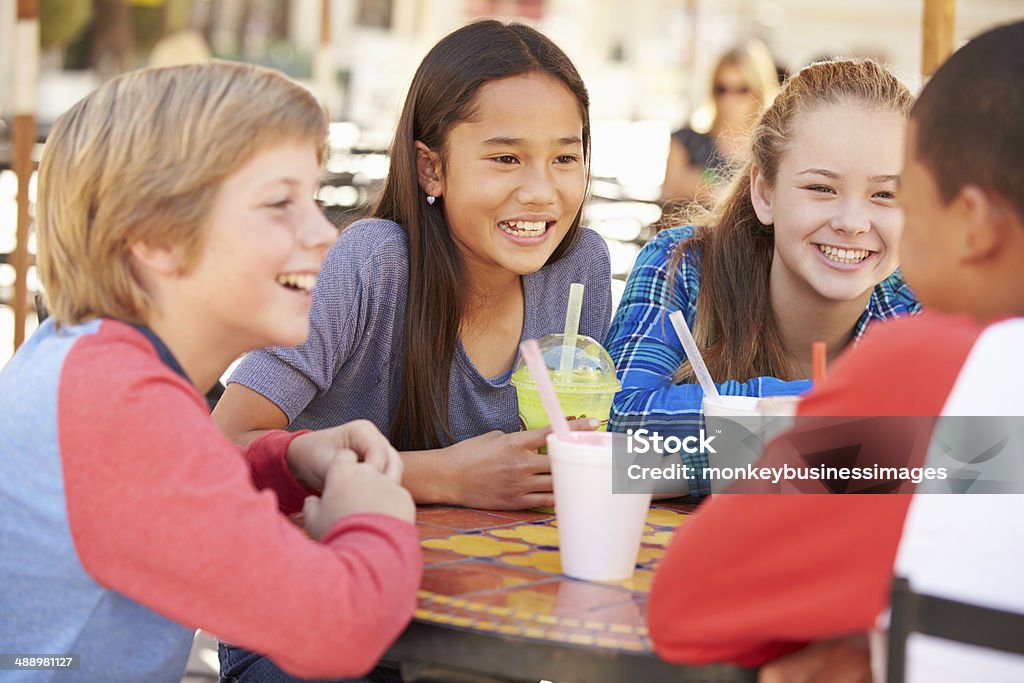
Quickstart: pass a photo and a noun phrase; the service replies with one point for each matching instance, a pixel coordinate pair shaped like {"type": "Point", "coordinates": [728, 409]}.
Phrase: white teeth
{"type": "Point", "coordinates": [524, 228]}
{"type": "Point", "coordinates": [303, 281]}
{"type": "Point", "coordinates": [844, 255]}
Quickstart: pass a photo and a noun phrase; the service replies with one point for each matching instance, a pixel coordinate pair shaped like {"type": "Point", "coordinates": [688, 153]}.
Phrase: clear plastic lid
{"type": "Point", "coordinates": [591, 368]}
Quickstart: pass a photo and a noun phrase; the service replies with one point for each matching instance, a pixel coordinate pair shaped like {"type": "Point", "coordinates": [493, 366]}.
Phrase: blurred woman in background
{"type": "Point", "coordinates": [743, 83]}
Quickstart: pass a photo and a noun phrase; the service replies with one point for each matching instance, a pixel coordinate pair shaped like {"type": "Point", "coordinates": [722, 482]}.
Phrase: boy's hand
{"type": "Point", "coordinates": [846, 660]}
{"type": "Point", "coordinates": [500, 471]}
{"type": "Point", "coordinates": [310, 455]}
{"type": "Point", "coordinates": [352, 487]}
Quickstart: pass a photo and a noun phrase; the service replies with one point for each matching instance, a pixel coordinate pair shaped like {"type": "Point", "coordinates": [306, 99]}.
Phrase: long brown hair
{"type": "Point", "coordinates": [443, 94]}
{"type": "Point", "coordinates": [735, 326]}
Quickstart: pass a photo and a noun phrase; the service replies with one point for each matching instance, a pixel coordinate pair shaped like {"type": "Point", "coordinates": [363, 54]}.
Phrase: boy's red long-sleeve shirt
{"type": "Point", "coordinates": [130, 520]}
{"type": "Point", "coordinates": [754, 576]}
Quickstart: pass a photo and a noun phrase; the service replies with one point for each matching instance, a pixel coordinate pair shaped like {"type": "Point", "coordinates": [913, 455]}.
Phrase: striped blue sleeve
{"type": "Point", "coordinates": [646, 351]}
{"type": "Point", "coordinates": [891, 298]}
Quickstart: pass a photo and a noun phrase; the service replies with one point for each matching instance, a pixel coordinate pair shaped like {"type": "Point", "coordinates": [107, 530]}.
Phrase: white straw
{"type": "Point", "coordinates": [696, 361]}
{"type": "Point", "coordinates": [572, 327]}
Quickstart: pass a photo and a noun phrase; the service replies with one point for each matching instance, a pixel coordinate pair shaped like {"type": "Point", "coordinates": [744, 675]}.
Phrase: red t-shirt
{"type": "Point", "coordinates": [754, 576]}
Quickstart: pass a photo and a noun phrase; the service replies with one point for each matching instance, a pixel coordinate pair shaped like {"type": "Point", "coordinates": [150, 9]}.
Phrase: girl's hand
{"type": "Point", "coordinates": [500, 471]}
{"type": "Point", "coordinates": [310, 455]}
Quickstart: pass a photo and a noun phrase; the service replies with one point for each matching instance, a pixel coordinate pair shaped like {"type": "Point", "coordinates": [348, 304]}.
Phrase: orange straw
{"type": "Point", "coordinates": [818, 361]}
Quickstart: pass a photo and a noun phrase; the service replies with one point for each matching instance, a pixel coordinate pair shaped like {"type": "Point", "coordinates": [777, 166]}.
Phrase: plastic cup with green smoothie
{"type": "Point", "coordinates": [585, 388]}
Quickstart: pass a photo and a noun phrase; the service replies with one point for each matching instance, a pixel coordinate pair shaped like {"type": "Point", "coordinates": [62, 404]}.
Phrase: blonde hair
{"type": "Point", "coordinates": [143, 158]}
{"type": "Point", "coordinates": [735, 326]}
{"type": "Point", "coordinates": [758, 67]}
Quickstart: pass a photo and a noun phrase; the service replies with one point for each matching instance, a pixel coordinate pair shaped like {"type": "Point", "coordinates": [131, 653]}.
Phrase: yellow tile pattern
{"type": "Point", "coordinates": [537, 610]}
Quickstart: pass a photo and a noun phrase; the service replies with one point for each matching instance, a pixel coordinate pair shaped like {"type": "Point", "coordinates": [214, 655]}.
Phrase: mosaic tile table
{"type": "Point", "coordinates": [494, 605]}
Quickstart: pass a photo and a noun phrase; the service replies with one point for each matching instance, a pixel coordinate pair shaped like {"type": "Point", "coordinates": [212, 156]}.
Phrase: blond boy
{"type": "Point", "coordinates": [177, 230]}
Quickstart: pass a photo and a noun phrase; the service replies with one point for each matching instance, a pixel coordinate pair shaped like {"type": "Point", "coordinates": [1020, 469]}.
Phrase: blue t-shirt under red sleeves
{"type": "Point", "coordinates": [127, 521]}
{"type": "Point", "coordinates": [351, 366]}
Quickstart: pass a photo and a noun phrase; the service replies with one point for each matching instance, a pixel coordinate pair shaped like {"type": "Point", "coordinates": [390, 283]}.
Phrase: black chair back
{"type": "Point", "coordinates": [947, 619]}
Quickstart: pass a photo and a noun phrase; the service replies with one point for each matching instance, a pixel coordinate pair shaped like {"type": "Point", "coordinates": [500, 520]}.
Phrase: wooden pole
{"type": "Point", "coordinates": [939, 22]}
{"type": "Point", "coordinates": [23, 136]}
{"type": "Point", "coordinates": [325, 22]}
{"type": "Point", "coordinates": [693, 96]}
{"type": "Point", "coordinates": [124, 36]}
{"type": "Point", "coordinates": [323, 64]}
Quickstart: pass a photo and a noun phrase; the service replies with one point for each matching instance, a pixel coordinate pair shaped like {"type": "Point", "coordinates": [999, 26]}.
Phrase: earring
{"type": "Point", "coordinates": [431, 199]}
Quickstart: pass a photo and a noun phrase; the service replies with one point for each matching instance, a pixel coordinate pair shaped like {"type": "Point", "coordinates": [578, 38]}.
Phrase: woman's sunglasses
{"type": "Point", "coordinates": [723, 90]}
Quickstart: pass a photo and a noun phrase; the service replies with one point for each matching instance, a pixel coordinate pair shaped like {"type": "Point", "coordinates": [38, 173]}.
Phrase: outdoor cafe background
{"type": "Point", "coordinates": [646, 63]}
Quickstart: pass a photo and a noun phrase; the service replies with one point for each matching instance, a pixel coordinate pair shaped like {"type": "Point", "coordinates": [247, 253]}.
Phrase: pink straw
{"type": "Point", "coordinates": [534, 361]}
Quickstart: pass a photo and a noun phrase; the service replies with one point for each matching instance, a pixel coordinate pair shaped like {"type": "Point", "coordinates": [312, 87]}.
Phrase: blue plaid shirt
{"type": "Point", "coordinates": [646, 351]}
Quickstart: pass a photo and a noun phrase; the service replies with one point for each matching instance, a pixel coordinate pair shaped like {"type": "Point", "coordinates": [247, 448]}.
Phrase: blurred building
{"type": "Point", "coordinates": [646, 63]}
{"type": "Point", "coordinates": [642, 59]}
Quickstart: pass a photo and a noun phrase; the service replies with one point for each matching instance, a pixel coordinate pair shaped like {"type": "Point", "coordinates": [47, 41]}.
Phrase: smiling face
{"type": "Point", "coordinates": [514, 175]}
{"type": "Point", "coordinates": [263, 245]}
{"type": "Point", "coordinates": [836, 221]}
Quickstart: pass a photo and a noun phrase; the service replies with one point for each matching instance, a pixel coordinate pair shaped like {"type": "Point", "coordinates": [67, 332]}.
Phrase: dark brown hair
{"type": "Point", "coordinates": [969, 118]}
{"type": "Point", "coordinates": [442, 94]}
{"type": "Point", "coordinates": [735, 326]}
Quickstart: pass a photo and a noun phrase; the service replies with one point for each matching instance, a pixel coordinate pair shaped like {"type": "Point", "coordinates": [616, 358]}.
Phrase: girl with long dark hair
{"type": "Point", "coordinates": [419, 312]}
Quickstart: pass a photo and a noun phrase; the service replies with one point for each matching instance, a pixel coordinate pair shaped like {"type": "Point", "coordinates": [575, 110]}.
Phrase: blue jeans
{"type": "Point", "coordinates": [241, 666]}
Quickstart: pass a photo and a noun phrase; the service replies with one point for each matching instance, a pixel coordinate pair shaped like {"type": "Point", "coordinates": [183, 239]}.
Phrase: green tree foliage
{"type": "Point", "coordinates": [153, 19]}
{"type": "Point", "coordinates": [62, 21]}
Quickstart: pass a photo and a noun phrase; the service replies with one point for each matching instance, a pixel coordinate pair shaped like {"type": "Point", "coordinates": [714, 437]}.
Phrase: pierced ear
{"type": "Point", "coordinates": [160, 260]}
{"type": "Point", "coordinates": [428, 170]}
{"type": "Point", "coordinates": [761, 196]}
{"type": "Point", "coordinates": [985, 222]}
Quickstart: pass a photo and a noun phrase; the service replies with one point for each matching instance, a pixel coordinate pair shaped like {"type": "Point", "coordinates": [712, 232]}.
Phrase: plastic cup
{"type": "Point", "coordinates": [599, 531]}
{"type": "Point", "coordinates": [584, 391]}
{"type": "Point", "coordinates": [750, 411]}
{"type": "Point", "coordinates": [778, 406]}
{"type": "Point", "coordinates": [742, 426]}
{"type": "Point", "coordinates": [732, 406]}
